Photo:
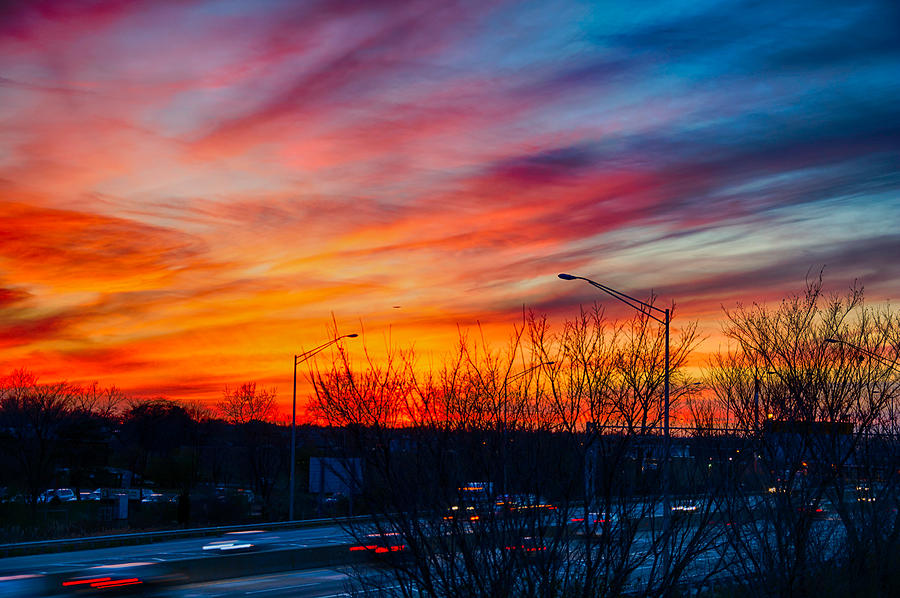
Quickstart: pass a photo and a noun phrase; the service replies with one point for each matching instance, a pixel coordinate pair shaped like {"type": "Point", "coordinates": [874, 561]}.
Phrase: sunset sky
{"type": "Point", "coordinates": [191, 191]}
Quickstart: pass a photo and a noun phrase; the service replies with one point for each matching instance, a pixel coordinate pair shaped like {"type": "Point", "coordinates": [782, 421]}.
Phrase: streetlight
{"type": "Point", "coordinates": [518, 375]}
{"type": "Point", "coordinates": [506, 381]}
{"type": "Point", "coordinates": [881, 358]}
{"type": "Point", "coordinates": [647, 309]}
{"type": "Point", "coordinates": [298, 359]}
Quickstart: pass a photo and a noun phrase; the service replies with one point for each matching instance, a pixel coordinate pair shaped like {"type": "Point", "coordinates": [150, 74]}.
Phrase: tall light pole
{"type": "Point", "coordinates": [518, 375]}
{"type": "Point", "coordinates": [892, 365]}
{"type": "Point", "coordinates": [506, 381]}
{"type": "Point", "coordinates": [298, 359]}
{"type": "Point", "coordinates": [648, 310]}
{"type": "Point", "coordinates": [876, 356]}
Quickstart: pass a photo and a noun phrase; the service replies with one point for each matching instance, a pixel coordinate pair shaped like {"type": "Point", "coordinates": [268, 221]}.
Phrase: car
{"type": "Point", "coordinates": [814, 509]}
{"type": "Point", "coordinates": [685, 508]}
{"type": "Point", "coordinates": [57, 495]}
{"type": "Point", "coordinates": [157, 497]}
{"type": "Point", "coordinates": [241, 541]}
{"type": "Point", "coordinates": [335, 498]}
{"type": "Point", "coordinates": [521, 504]}
{"type": "Point", "coordinates": [463, 513]}
{"type": "Point", "coordinates": [528, 547]}
{"type": "Point", "coordinates": [137, 578]}
{"type": "Point", "coordinates": [382, 543]}
{"type": "Point", "coordinates": [590, 523]}
{"type": "Point", "coordinates": [92, 495]}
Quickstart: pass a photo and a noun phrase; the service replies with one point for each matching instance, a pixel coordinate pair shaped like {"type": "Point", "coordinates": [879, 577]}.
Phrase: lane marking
{"type": "Point", "coordinates": [302, 585]}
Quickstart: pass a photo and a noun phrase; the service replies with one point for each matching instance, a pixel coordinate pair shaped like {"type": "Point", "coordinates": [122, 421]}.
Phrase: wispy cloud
{"type": "Point", "coordinates": [190, 190]}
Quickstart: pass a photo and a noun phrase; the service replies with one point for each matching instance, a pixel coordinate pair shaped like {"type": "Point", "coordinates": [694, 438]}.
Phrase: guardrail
{"type": "Point", "coordinates": [90, 542]}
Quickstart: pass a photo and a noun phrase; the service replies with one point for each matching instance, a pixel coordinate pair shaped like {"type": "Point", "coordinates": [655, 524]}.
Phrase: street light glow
{"type": "Point", "coordinates": [647, 309]}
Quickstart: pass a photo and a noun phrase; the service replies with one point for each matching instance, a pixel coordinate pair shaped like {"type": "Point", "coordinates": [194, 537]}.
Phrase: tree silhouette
{"type": "Point", "coordinates": [31, 417]}
{"type": "Point", "coordinates": [252, 410]}
{"type": "Point", "coordinates": [817, 418]}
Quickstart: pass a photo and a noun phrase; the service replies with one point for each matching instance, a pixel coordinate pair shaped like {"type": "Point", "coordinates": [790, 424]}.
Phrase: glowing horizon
{"type": "Point", "coordinates": [193, 192]}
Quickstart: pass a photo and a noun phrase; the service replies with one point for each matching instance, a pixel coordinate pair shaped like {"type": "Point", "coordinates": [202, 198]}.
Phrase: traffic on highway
{"type": "Point", "coordinates": [316, 558]}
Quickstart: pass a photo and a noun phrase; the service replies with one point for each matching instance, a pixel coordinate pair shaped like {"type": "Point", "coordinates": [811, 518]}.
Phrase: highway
{"type": "Point", "coordinates": [283, 562]}
{"type": "Point", "coordinates": [173, 550]}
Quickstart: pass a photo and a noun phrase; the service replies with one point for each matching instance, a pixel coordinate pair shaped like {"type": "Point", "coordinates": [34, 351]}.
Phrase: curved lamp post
{"type": "Point", "coordinates": [881, 358]}
{"type": "Point", "coordinates": [298, 359]}
{"type": "Point", "coordinates": [506, 381]}
{"type": "Point", "coordinates": [518, 375]}
{"type": "Point", "coordinates": [664, 319]}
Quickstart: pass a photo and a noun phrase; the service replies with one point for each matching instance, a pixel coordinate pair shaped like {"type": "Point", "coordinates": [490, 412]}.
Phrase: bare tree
{"type": "Point", "coordinates": [545, 429]}
{"type": "Point", "coordinates": [246, 404]}
{"type": "Point", "coordinates": [31, 417]}
{"type": "Point", "coordinates": [812, 415]}
{"type": "Point", "coordinates": [606, 392]}
{"type": "Point", "coordinates": [94, 399]}
{"type": "Point", "coordinates": [198, 411]}
{"type": "Point", "coordinates": [253, 411]}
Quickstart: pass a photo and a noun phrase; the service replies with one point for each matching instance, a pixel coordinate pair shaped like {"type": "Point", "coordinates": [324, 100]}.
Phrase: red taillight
{"type": "Point", "coordinates": [86, 581]}
{"type": "Point", "coordinates": [116, 584]}
{"type": "Point", "coordinates": [103, 582]}
{"type": "Point", "coordinates": [576, 520]}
